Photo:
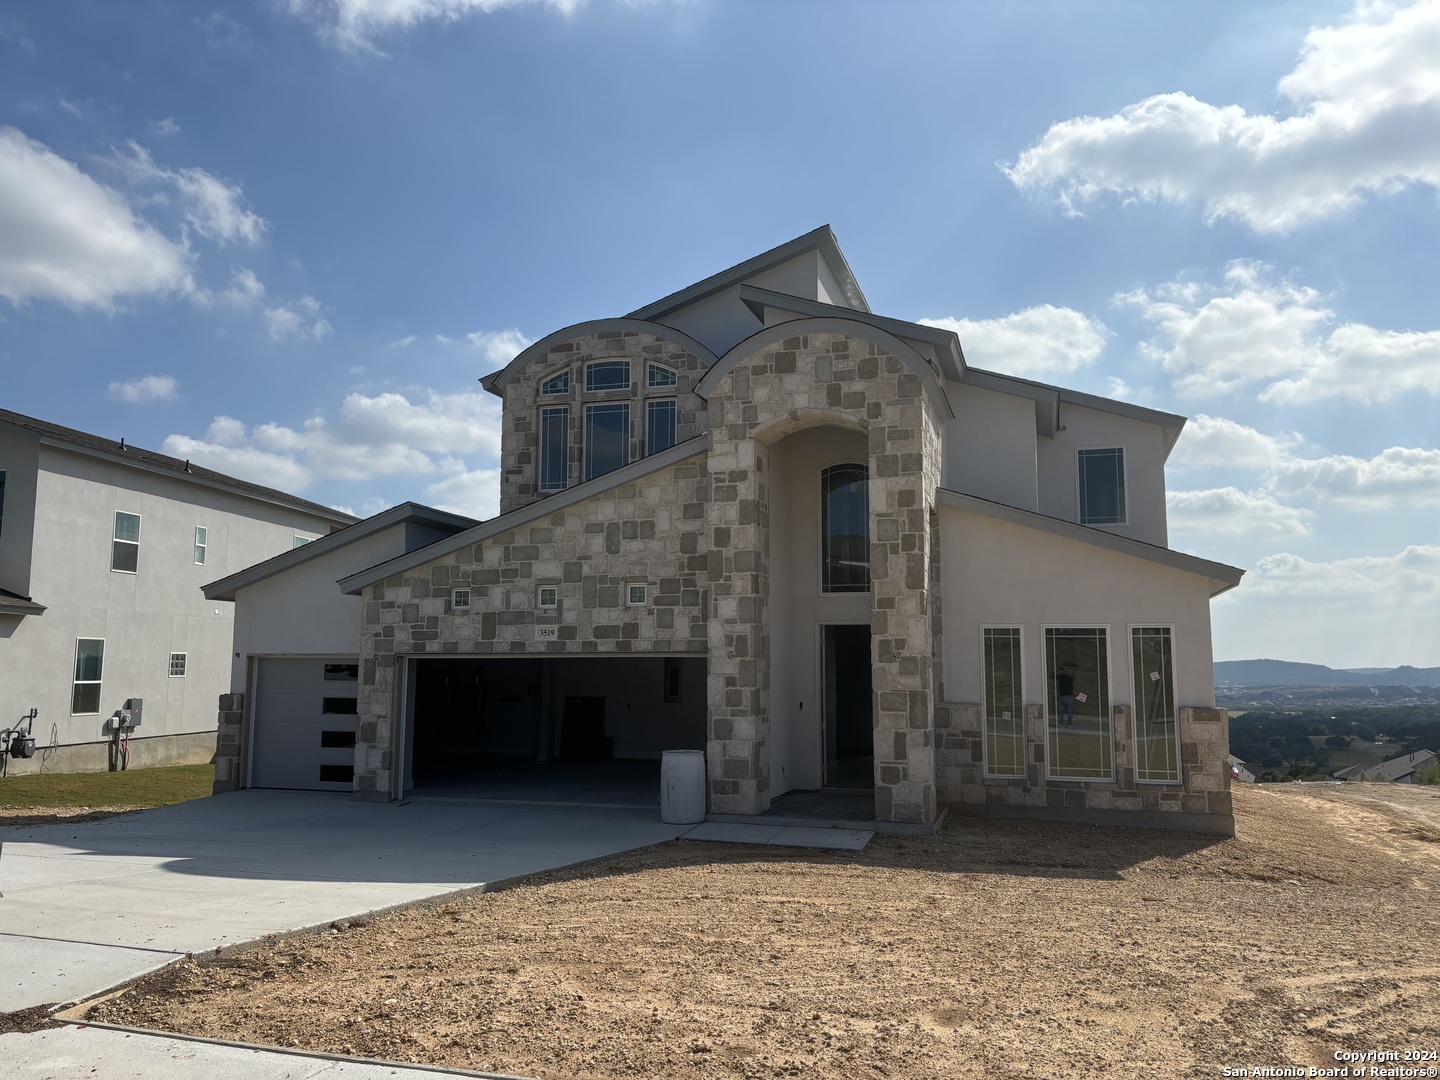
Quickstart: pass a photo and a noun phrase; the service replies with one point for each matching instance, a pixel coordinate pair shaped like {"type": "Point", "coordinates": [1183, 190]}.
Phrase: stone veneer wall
{"type": "Point", "coordinates": [652, 532]}
{"type": "Point", "coordinates": [228, 741]}
{"type": "Point", "coordinates": [1205, 773]}
{"type": "Point", "coordinates": [519, 434]}
{"type": "Point", "coordinates": [806, 380]}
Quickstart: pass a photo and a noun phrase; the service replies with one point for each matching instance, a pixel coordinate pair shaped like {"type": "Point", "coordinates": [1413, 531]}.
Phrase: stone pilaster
{"type": "Point", "coordinates": [229, 739]}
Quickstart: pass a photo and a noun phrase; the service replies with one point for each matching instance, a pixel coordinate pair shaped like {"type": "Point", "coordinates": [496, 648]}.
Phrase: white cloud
{"type": "Point", "coordinates": [250, 463]}
{"type": "Point", "coordinates": [354, 23]}
{"type": "Point", "coordinates": [1406, 579]}
{"type": "Point", "coordinates": [1229, 511]}
{"type": "Point", "coordinates": [474, 493]}
{"type": "Point", "coordinates": [1038, 342]}
{"type": "Point", "coordinates": [164, 129]}
{"type": "Point", "coordinates": [1210, 442]}
{"type": "Point", "coordinates": [1365, 120]}
{"type": "Point", "coordinates": [145, 388]}
{"type": "Point", "coordinates": [214, 208]}
{"type": "Point", "coordinates": [244, 291]}
{"type": "Point", "coordinates": [299, 320]}
{"type": "Point", "coordinates": [1275, 335]}
{"type": "Point", "coordinates": [498, 347]}
{"type": "Point", "coordinates": [66, 237]}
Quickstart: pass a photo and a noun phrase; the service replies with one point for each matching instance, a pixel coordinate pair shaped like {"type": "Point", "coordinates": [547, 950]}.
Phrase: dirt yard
{"type": "Point", "coordinates": [998, 949]}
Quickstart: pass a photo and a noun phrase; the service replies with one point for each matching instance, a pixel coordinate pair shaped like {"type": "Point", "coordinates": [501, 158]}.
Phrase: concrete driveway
{"type": "Point", "coordinates": [87, 907]}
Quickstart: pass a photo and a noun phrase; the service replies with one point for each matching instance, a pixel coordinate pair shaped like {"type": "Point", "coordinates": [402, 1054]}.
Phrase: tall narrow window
{"type": "Point", "coordinates": [1004, 713]}
{"type": "Point", "coordinates": [125, 547]}
{"type": "Point", "coordinates": [845, 529]}
{"type": "Point", "coordinates": [607, 438]}
{"type": "Point", "coordinates": [1102, 486]}
{"type": "Point", "coordinates": [554, 437]}
{"type": "Point", "coordinates": [1077, 689]}
{"type": "Point", "coordinates": [608, 375]}
{"type": "Point", "coordinates": [177, 665]}
{"type": "Point", "coordinates": [1156, 748]}
{"type": "Point", "coordinates": [556, 384]}
{"type": "Point", "coordinates": [659, 375]}
{"type": "Point", "coordinates": [201, 540]}
{"type": "Point", "coordinates": [659, 426]}
{"type": "Point", "coordinates": [89, 670]}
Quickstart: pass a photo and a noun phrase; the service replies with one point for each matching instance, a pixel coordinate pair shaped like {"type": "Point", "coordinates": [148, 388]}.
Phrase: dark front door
{"type": "Point", "coordinates": [849, 724]}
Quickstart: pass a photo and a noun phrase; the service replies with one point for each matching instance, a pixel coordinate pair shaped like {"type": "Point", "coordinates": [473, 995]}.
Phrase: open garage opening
{"type": "Point", "coordinates": [576, 730]}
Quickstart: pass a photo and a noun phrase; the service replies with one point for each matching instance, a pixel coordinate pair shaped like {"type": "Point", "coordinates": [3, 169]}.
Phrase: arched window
{"type": "Point", "coordinates": [844, 529]}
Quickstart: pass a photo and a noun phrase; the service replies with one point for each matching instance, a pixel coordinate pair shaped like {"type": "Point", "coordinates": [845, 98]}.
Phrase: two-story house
{"type": "Point", "coordinates": [103, 549]}
{"type": "Point", "coordinates": [757, 519]}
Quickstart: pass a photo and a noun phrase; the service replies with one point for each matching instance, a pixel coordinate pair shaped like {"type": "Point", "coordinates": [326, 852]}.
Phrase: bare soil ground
{"type": "Point", "coordinates": [997, 949]}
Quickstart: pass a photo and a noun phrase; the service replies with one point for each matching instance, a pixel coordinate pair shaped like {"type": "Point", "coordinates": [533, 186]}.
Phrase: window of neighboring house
{"type": "Point", "coordinates": [635, 596]}
{"type": "Point", "coordinates": [177, 665]}
{"type": "Point", "coordinates": [202, 535]}
{"type": "Point", "coordinates": [608, 375]}
{"type": "Point", "coordinates": [1077, 691]}
{"type": "Point", "coordinates": [556, 384]}
{"type": "Point", "coordinates": [1102, 486]}
{"type": "Point", "coordinates": [548, 597]}
{"type": "Point", "coordinates": [1004, 711]}
{"type": "Point", "coordinates": [659, 425]}
{"type": "Point", "coordinates": [554, 438]}
{"type": "Point", "coordinates": [460, 599]}
{"type": "Point", "coordinates": [659, 375]}
{"type": "Point", "coordinates": [125, 547]}
{"type": "Point", "coordinates": [89, 670]}
{"type": "Point", "coordinates": [1157, 758]}
{"type": "Point", "coordinates": [300, 541]}
{"type": "Point", "coordinates": [845, 529]}
{"type": "Point", "coordinates": [607, 438]}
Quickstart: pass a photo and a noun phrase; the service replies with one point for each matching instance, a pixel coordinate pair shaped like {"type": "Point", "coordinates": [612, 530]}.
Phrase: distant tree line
{"type": "Point", "coordinates": [1297, 744]}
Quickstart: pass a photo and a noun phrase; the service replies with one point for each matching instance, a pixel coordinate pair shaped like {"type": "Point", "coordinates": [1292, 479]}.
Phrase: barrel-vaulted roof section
{"type": "Point", "coordinates": [821, 240]}
{"type": "Point", "coordinates": [495, 382]}
{"type": "Point", "coordinates": [855, 328]}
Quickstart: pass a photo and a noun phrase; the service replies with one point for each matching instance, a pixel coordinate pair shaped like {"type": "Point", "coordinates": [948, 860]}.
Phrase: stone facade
{"type": "Point", "coordinates": [810, 379]}
{"type": "Point", "coordinates": [228, 743]}
{"type": "Point", "coordinates": [1205, 778]}
{"type": "Point", "coordinates": [520, 437]}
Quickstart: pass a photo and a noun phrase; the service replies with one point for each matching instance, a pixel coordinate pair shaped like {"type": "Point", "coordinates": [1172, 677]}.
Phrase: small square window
{"type": "Point", "coordinates": [202, 536]}
{"type": "Point", "coordinates": [635, 596]}
{"type": "Point", "coordinates": [460, 600]}
{"type": "Point", "coordinates": [549, 596]}
{"type": "Point", "coordinates": [177, 665]}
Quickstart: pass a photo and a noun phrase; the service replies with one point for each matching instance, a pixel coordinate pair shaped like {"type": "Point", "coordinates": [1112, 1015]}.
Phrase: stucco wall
{"type": "Point", "coordinates": [990, 446]}
{"type": "Point", "coordinates": [19, 459]}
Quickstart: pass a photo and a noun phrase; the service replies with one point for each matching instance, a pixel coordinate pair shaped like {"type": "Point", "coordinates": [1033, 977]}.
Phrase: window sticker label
{"type": "Point", "coordinates": [1154, 676]}
{"type": "Point", "coordinates": [1080, 698]}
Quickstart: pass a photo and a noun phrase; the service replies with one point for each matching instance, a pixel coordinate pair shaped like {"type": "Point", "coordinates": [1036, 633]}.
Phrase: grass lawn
{"type": "Point", "coordinates": [1358, 753]}
{"type": "Point", "coordinates": [135, 788]}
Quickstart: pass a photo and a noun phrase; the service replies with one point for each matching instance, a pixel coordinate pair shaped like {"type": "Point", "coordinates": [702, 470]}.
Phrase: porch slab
{"type": "Point", "coordinates": [823, 839]}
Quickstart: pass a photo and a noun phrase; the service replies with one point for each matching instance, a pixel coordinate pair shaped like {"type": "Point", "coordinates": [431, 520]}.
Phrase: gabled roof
{"type": "Point", "coordinates": [149, 461]}
{"type": "Point", "coordinates": [821, 240]}
{"type": "Point", "coordinates": [1397, 768]}
{"type": "Point", "coordinates": [1219, 574]}
{"type": "Point", "coordinates": [405, 514]}
{"type": "Point", "coordinates": [534, 511]}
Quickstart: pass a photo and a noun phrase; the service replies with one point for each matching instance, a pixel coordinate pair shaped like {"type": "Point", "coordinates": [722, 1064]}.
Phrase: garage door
{"type": "Point", "coordinates": [305, 723]}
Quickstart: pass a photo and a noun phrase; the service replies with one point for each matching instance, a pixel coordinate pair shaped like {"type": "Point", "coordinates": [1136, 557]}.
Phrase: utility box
{"type": "Point", "coordinates": [682, 787]}
{"type": "Point", "coordinates": [131, 714]}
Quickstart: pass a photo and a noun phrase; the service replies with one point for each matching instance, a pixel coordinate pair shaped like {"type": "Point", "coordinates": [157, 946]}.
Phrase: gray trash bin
{"type": "Point", "coordinates": [682, 787]}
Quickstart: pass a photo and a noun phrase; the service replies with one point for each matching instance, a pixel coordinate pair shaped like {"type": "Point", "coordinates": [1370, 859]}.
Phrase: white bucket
{"type": "Point", "coordinates": [682, 787]}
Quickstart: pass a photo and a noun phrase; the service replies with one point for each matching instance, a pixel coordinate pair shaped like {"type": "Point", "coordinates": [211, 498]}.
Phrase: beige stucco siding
{"type": "Point", "coordinates": [990, 446]}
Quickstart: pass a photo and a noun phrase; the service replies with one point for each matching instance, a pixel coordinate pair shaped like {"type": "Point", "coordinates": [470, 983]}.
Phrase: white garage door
{"type": "Point", "coordinates": [305, 723]}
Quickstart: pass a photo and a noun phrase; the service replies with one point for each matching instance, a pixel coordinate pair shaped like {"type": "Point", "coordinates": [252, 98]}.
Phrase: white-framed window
{"type": "Point", "coordinates": [459, 599]}
{"type": "Point", "coordinates": [1002, 668]}
{"type": "Point", "coordinates": [177, 665]}
{"type": "Point", "coordinates": [607, 438]}
{"type": "Point", "coordinates": [659, 425]}
{"type": "Point", "coordinates": [607, 375]}
{"type": "Point", "coordinates": [547, 596]}
{"type": "Point", "coordinates": [659, 375]}
{"type": "Point", "coordinates": [125, 544]}
{"type": "Point", "coordinates": [202, 540]}
{"type": "Point", "coordinates": [635, 595]}
{"type": "Point", "coordinates": [1157, 728]}
{"type": "Point", "coordinates": [1101, 478]}
{"type": "Point", "coordinates": [845, 528]}
{"type": "Point", "coordinates": [556, 384]}
{"type": "Point", "coordinates": [89, 671]}
{"type": "Point", "coordinates": [300, 541]}
{"type": "Point", "coordinates": [554, 444]}
{"type": "Point", "coordinates": [1079, 743]}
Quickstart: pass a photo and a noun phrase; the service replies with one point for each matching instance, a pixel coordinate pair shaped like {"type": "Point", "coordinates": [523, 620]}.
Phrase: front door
{"type": "Point", "coordinates": [849, 723]}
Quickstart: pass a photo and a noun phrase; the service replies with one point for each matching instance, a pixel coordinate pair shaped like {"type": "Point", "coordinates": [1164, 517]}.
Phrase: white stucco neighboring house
{"type": "Point", "coordinates": [757, 519]}
{"type": "Point", "coordinates": [103, 549]}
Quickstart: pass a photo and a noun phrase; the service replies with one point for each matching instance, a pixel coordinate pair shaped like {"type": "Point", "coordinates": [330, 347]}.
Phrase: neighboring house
{"type": "Point", "coordinates": [1398, 770]}
{"type": "Point", "coordinates": [103, 549]}
{"type": "Point", "coordinates": [297, 645]}
{"type": "Point", "coordinates": [1240, 771]}
{"type": "Point", "coordinates": [756, 518]}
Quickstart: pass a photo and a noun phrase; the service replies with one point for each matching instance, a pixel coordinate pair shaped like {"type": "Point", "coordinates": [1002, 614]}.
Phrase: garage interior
{"type": "Point", "coordinates": [574, 730]}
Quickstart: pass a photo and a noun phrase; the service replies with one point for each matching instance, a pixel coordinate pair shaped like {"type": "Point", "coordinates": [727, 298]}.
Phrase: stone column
{"type": "Point", "coordinates": [228, 743]}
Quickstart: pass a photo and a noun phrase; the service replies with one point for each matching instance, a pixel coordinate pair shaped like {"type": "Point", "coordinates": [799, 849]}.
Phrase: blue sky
{"type": "Point", "coordinates": [285, 237]}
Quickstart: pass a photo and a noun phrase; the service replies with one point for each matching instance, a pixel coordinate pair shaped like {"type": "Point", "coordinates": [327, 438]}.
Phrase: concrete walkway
{"type": "Point", "coordinates": [87, 907]}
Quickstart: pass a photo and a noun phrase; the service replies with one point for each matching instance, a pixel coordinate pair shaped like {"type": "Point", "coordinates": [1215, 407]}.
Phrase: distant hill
{"type": "Point", "coordinates": [1285, 673]}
